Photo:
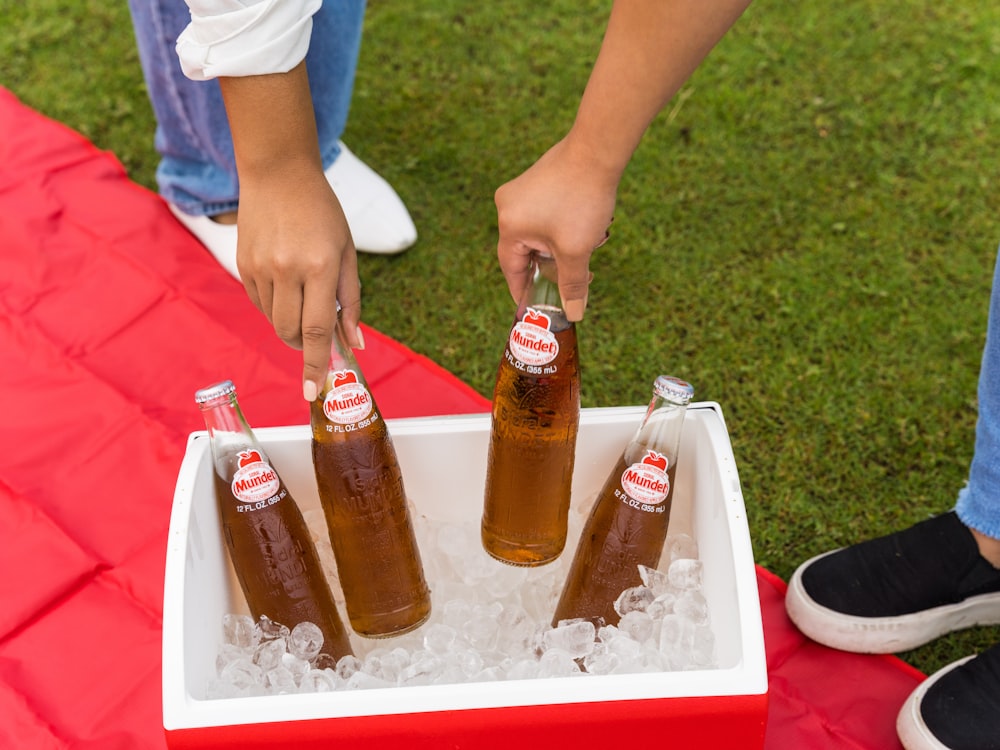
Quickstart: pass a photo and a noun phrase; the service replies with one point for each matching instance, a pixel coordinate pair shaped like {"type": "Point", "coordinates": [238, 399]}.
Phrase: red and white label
{"type": "Point", "coordinates": [254, 480]}
{"type": "Point", "coordinates": [348, 401]}
{"type": "Point", "coordinates": [647, 480]}
{"type": "Point", "coordinates": [531, 341]}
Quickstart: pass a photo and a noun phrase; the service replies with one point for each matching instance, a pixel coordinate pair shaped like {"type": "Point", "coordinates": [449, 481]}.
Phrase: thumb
{"type": "Point", "coordinates": [574, 285]}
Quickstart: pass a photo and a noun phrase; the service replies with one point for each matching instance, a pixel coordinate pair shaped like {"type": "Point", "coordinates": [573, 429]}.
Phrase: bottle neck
{"type": "Point", "coordinates": [660, 429]}
{"type": "Point", "coordinates": [542, 293]}
{"type": "Point", "coordinates": [223, 415]}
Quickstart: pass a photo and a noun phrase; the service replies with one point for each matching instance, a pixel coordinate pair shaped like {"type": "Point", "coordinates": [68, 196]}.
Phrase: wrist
{"type": "Point", "coordinates": [594, 157]}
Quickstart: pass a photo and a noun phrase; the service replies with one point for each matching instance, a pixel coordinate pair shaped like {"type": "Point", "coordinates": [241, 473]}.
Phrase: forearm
{"type": "Point", "coordinates": [273, 126]}
{"type": "Point", "coordinates": [650, 49]}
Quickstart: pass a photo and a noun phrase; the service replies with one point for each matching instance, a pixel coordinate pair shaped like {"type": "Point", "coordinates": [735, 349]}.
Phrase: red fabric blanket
{"type": "Point", "coordinates": [111, 316]}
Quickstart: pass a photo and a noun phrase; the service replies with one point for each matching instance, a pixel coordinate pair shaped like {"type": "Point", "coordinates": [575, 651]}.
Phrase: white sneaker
{"type": "Point", "coordinates": [377, 217]}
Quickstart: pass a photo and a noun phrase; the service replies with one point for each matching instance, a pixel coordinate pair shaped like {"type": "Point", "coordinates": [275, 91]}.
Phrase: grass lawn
{"type": "Point", "coordinates": [807, 233]}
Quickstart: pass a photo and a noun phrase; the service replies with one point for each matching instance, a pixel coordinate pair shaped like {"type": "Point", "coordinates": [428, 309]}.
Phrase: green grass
{"type": "Point", "coordinates": [807, 233]}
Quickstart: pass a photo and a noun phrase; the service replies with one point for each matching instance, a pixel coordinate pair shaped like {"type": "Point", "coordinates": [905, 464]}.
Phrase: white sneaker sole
{"type": "Point", "coordinates": [910, 726]}
{"type": "Point", "coordinates": [883, 635]}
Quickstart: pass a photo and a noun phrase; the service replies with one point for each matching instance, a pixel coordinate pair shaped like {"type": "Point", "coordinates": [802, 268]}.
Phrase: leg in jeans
{"type": "Point", "coordinates": [978, 504]}
{"type": "Point", "coordinates": [197, 171]}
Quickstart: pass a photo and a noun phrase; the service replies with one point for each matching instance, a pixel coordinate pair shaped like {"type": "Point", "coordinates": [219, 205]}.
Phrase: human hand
{"type": "Point", "coordinates": [562, 206]}
{"type": "Point", "coordinates": [296, 258]}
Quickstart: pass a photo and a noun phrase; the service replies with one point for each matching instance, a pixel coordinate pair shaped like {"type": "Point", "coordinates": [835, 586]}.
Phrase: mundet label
{"type": "Point", "coordinates": [531, 341]}
{"type": "Point", "coordinates": [348, 401]}
{"type": "Point", "coordinates": [254, 479]}
{"type": "Point", "coordinates": [647, 480]}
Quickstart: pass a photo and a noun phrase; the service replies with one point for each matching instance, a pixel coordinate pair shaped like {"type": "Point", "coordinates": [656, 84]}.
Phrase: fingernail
{"type": "Point", "coordinates": [361, 338]}
{"type": "Point", "coordinates": [574, 309]}
{"type": "Point", "coordinates": [309, 391]}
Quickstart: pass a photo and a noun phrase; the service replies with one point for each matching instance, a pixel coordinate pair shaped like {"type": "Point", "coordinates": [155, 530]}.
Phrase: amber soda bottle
{"type": "Point", "coordinates": [361, 490]}
{"type": "Point", "coordinates": [627, 526]}
{"type": "Point", "coordinates": [269, 542]}
{"type": "Point", "coordinates": [535, 417]}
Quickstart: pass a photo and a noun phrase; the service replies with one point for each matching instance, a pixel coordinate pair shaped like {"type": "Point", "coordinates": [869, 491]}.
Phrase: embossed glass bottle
{"type": "Point", "coordinates": [268, 541]}
{"type": "Point", "coordinates": [627, 526]}
{"type": "Point", "coordinates": [361, 489]}
{"type": "Point", "coordinates": [536, 414]}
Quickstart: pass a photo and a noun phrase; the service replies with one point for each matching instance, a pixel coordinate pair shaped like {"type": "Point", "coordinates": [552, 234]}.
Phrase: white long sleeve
{"type": "Point", "coordinates": [245, 37]}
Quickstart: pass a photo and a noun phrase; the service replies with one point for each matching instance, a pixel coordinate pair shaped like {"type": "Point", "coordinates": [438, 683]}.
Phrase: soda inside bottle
{"type": "Point", "coordinates": [361, 489]}
{"type": "Point", "coordinates": [535, 417]}
{"type": "Point", "coordinates": [627, 526]}
{"type": "Point", "coordinates": [269, 543]}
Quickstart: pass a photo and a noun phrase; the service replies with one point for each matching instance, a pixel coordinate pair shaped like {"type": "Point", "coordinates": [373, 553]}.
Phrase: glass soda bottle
{"type": "Point", "coordinates": [269, 542]}
{"type": "Point", "coordinates": [627, 526]}
{"type": "Point", "coordinates": [361, 490]}
{"type": "Point", "coordinates": [536, 413]}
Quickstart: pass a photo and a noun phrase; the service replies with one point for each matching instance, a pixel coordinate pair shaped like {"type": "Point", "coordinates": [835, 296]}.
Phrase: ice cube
{"type": "Point", "coordinates": [685, 573]}
{"type": "Point", "coordinates": [632, 599]}
{"type": "Point", "coordinates": [637, 625]}
{"type": "Point", "coordinates": [481, 631]}
{"type": "Point", "coordinates": [576, 638]}
{"type": "Point", "coordinates": [298, 667]}
{"type": "Point", "coordinates": [662, 605]}
{"type": "Point", "coordinates": [557, 663]}
{"type": "Point", "coordinates": [305, 641]}
{"type": "Point", "coordinates": [347, 665]}
{"type": "Point", "coordinates": [362, 681]}
{"type": "Point", "coordinates": [242, 674]}
{"type": "Point", "coordinates": [692, 606]}
{"type": "Point", "coordinates": [654, 580]}
{"type": "Point", "coordinates": [240, 631]}
{"type": "Point", "coordinates": [280, 681]}
{"type": "Point", "coordinates": [439, 638]}
{"type": "Point", "coordinates": [270, 630]}
{"type": "Point", "coordinates": [268, 654]}
{"type": "Point", "coordinates": [318, 681]}
{"type": "Point", "coordinates": [424, 668]}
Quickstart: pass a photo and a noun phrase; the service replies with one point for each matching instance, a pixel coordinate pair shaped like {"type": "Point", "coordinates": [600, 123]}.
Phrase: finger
{"type": "Point", "coordinates": [575, 278]}
{"type": "Point", "coordinates": [349, 297]}
{"type": "Point", "coordinates": [258, 290]}
{"type": "Point", "coordinates": [264, 290]}
{"type": "Point", "coordinates": [286, 314]}
{"type": "Point", "coordinates": [515, 263]}
{"type": "Point", "coordinates": [319, 319]}
{"type": "Point", "coordinates": [574, 286]}
{"type": "Point", "coordinates": [251, 289]}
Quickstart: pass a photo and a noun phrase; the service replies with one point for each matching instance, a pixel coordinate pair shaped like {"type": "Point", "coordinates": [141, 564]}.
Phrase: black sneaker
{"type": "Point", "coordinates": [956, 708]}
{"type": "Point", "coordinates": [897, 592]}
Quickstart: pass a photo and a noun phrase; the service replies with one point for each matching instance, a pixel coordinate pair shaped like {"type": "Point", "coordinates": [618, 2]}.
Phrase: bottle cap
{"type": "Point", "coordinates": [673, 389]}
{"type": "Point", "coordinates": [213, 392]}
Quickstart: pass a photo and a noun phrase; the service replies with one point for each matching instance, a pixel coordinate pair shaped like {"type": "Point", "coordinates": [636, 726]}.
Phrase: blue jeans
{"type": "Point", "coordinates": [197, 170]}
{"type": "Point", "coordinates": [978, 504]}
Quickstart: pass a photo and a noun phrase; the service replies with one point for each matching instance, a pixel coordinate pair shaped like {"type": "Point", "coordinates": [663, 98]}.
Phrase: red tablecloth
{"type": "Point", "coordinates": [111, 316]}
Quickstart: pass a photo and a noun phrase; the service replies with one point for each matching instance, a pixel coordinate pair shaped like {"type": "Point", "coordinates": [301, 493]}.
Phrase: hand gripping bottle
{"type": "Point", "coordinates": [361, 489]}
{"type": "Point", "coordinates": [536, 413]}
{"type": "Point", "coordinates": [268, 540]}
{"type": "Point", "coordinates": [627, 526]}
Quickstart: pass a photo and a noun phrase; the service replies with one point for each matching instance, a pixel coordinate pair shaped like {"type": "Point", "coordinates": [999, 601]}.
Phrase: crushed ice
{"type": "Point", "coordinates": [489, 621]}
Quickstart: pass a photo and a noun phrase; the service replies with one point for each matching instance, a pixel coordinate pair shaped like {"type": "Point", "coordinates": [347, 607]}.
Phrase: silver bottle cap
{"type": "Point", "coordinates": [213, 392]}
{"type": "Point", "coordinates": [673, 389]}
